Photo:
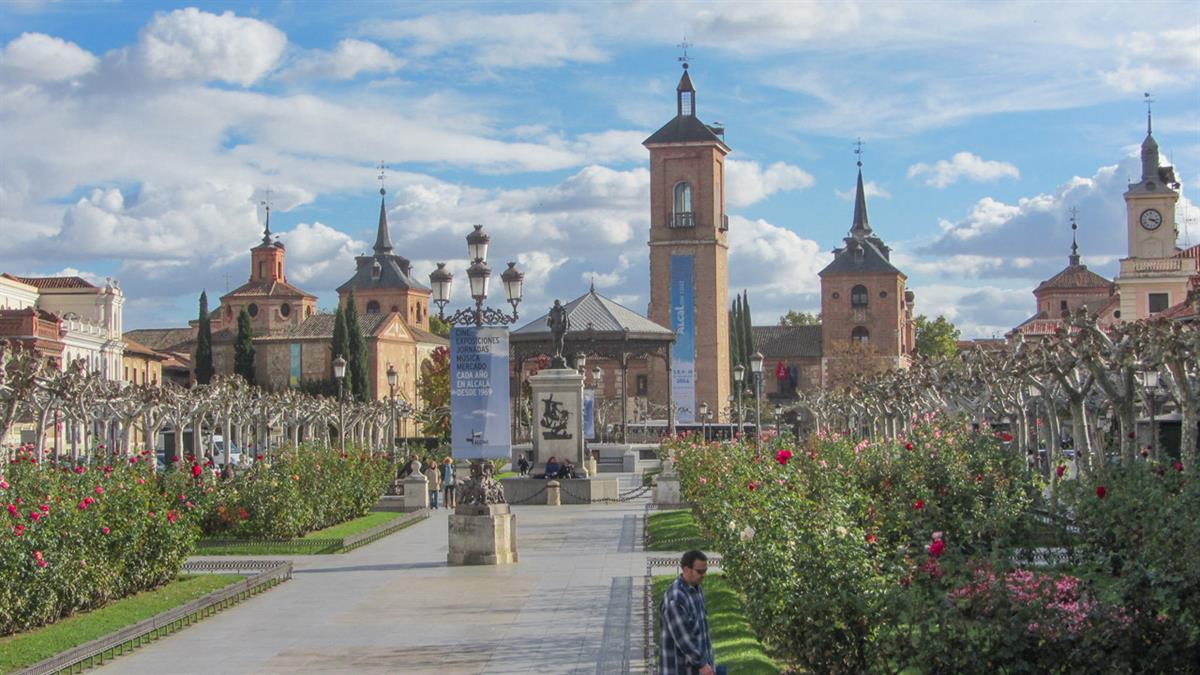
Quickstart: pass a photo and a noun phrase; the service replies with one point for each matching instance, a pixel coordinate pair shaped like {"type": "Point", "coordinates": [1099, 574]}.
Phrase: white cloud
{"type": "Point", "coordinates": [349, 59]}
{"type": "Point", "coordinates": [38, 57]}
{"type": "Point", "coordinates": [870, 187]}
{"type": "Point", "coordinates": [1151, 61]}
{"type": "Point", "coordinates": [747, 182]}
{"type": "Point", "coordinates": [191, 44]}
{"type": "Point", "coordinates": [963, 165]}
{"type": "Point", "coordinates": [318, 256]}
{"type": "Point", "coordinates": [497, 40]}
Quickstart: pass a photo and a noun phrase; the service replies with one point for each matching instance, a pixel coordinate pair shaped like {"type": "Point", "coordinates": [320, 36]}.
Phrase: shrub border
{"type": "Point", "coordinates": [129, 638]}
{"type": "Point", "coordinates": [321, 546]}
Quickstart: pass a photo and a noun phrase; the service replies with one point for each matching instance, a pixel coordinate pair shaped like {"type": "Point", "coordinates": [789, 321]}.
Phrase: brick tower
{"type": "Point", "coordinates": [689, 256]}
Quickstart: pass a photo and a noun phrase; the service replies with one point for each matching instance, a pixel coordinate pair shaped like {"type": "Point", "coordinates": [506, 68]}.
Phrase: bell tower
{"type": "Point", "coordinates": [1153, 276]}
{"type": "Point", "coordinates": [689, 255]}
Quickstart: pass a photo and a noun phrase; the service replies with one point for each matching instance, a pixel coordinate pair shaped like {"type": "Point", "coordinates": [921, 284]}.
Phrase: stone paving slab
{"type": "Point", "coordinates": [394, 606]}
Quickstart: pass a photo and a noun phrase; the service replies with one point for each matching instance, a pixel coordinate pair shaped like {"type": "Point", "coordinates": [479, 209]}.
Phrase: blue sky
{"type": "Point", "coordinates": [139, 139]}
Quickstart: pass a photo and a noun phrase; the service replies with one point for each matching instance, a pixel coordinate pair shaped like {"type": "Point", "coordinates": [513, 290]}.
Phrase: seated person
{"type": "Point", "coordinates": [553, 467]}
{"type": "Point", "coordinates": [523, 465]}
{"type": "Point", "coordinates": [567, 470]}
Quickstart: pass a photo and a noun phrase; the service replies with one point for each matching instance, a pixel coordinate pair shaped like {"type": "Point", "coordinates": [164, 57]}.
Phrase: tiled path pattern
{"type": "Point", "coordinates": [573, 604]}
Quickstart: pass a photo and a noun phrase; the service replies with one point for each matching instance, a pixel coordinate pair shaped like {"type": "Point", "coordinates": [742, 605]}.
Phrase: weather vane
{"type": "Point", "coordinates": [1149, 104]}
{"type": "Point", "coordinates": [383, 167]}
{"type": "Point", "coordinates": [858, 149]}
{"type": "Point", "coordinates": [684, 46]}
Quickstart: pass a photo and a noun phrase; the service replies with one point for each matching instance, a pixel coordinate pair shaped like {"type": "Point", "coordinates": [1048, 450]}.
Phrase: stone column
{"type": "Point", "coordinates": [482, 534]}
{"type": "Point", "coordinates": [558, 418]}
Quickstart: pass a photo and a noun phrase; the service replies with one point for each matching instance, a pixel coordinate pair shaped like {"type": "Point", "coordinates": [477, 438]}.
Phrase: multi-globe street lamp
{"type": "Point", "coordinates": [739, 374]}
{"type": "Point", "coordinates": [479, 274]}
{"type": "Point", "coordinates": [339, 373]}
{"type": "Point", "coordinates": [756, 366]}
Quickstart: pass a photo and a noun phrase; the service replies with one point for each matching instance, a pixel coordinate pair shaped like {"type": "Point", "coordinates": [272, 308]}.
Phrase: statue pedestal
{"type": "Point", "coordinates": [482, 534]}
{"type": "Point", "coordinates": [416, 492]}
{"type": "Point", "coordinates": [558, 418]}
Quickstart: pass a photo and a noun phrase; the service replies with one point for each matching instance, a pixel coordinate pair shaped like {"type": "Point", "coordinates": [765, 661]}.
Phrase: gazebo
{"type": "Point", "coordinates": [598, 326]}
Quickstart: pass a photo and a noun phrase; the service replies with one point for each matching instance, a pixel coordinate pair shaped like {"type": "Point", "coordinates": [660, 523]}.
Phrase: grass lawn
{"type": "Point", "coordinates": [27, 648]}
{"type": "Point", "coordinates": [507, 474]}
{"type": "Point", "coordinates": [339, 531]}
{"type": "Point", "coordinates": [734, 643]}
{"type": "Point", "coordinates": [674, 531]}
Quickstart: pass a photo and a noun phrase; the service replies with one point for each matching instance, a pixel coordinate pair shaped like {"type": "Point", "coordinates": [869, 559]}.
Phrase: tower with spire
{"type": "Point", "coordinates": [272, 303]}
{"type": "Point", "coordinates": [1154, 276]}
{"type": "Point", "coordinates": [689, 255]}
{"type": "Point", "coordinates": [383, 282]}
{"type": "Point", "coordinates": [865, 308]}
{"type": "Point", "coordinates": [1073, 288]}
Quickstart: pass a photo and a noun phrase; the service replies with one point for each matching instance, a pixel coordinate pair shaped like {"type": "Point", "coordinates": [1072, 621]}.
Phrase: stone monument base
{"type": "Point", "coordinates": [521, 491]}
{"type": "Point", "coordinates": [482, 534]}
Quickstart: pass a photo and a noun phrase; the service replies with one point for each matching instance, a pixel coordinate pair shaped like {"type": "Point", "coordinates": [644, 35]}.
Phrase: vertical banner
{"type": "Point", "coordinates": [294, 372]}
{"type": "Point", "coordinates": [479, 422]}
{"type": "Point", "coordinates": [589, 414]}
{"type": "Point", "coordinates": [683, 354]}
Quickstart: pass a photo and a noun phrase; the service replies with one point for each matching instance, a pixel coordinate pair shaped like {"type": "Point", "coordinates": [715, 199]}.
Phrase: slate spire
{"type": "Point", "coordinates": [267, 230]}
{"type": "Point", "coordinates": [383, 242]}
{"type": "Point", "coordinates": [861, 227]}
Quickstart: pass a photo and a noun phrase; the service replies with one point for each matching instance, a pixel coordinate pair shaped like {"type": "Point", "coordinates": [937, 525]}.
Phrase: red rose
{"type": "Point", "coordinates": [753, 485]}
{"type": "Point", "coordinates": [1101, 492]}
{"type": "Point", "coordinates": [908, 446]}
{"type": "Point", "coordinates": [45, 508]}
{"type": "Point", "coordinates": [83, 506]}
{"type": "Point", "coordinates": [19, 530]}
{"type": "Point", "coordinates": [99, 490]}
{"type": "Point", "coordinates": [871, 539]}
{"type": "Point", "coordinates": [243, 514]}
{"type": "Point", "coordinates": [937, 548]}
{"type": "Point", "coordinates": [1006, 437]}
{"type": "Point", "coordinates": [1060, 470]}
{"type": "Point", "coordinates": [79, 469]}
{"type": "Point", "coordinates": [105, 530]}
{"type": "Point", "coordinates": [89, 501]}
{"type": "Point", "coordinates": [35, 516]}
{"type": "Point", "coordinates": [1179, 466]}
{"type": "Point", "coordinates": [196, 471]}
{"type": "Point", "coordinates": [258, 458]}
{"type": "Point", "coordinates": [172, 517]}
{"type": "Point", "coordinates": [783, 456]}
{"type": "Point", "coordinates": [920, 504]}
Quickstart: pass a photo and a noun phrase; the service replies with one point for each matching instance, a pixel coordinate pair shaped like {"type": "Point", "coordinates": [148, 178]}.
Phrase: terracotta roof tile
{"type": "Point", "coordinates": [163, 339]}
{"type": "Point", "coordinates": [52, 282]}
{"type": "Point", "coordinates": [788, 341]}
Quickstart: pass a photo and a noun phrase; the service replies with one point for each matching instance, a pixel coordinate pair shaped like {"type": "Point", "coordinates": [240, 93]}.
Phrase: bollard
{"type": "Point", "coordinates": [553, 496]}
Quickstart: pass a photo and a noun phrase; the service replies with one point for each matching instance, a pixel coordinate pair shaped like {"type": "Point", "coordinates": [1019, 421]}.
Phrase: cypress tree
{"type": "Point", "coordinates": [747, 328]}
{"type": "Point", "coordinates": [338, 346]}
{"type": "Point", "coordinates": [357, 346]}
{"type": "Point", "coordinates": [735, 336]}
{"type": "Point", "coordinates": [204, 357]}
{"type": "Point", "coordinates": [243, 348]}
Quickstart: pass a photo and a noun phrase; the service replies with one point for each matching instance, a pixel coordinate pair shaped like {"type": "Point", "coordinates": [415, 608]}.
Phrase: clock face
{"type": "Point", "coordinates": [1151, 219]}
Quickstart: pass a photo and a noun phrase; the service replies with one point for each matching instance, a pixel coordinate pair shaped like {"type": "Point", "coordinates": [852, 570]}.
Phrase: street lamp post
{"type": "Point", "coordinates": [598, 384]}
{"type": "Point", "coordinates": [480, 489]}
{"type": "Point", "coordinates": [339, 373]}
{"type": "Point", "coordinates": [778, 415]}
{"type": "Point", "coordinates": [739, 374]}
{"type": "Point", "coordinates": [703, 422]}
{"type": "Point", "coordinates": [756, 366]}
{"type": "Point", "coordinates": [1149, 381]}
{"type": "Point", "coordinates": [391, 380]}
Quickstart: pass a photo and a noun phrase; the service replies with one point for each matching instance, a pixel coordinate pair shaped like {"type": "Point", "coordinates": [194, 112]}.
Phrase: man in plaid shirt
{"type": "Point", "coordinates": [686, 647]}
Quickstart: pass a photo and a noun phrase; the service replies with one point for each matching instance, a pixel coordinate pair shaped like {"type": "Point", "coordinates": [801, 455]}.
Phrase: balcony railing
{"type": "Point", "coordinates": [683, 219]}
{"type": "Point", "coordinates": [1157, 265]}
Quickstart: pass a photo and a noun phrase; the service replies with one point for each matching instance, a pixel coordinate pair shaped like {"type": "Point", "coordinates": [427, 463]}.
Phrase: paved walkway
{"type": "Point", "coordinates": [573, 604]}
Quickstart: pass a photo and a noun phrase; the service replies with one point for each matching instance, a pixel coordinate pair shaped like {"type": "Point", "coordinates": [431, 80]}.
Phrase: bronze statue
{"type": "Point", "coordinates": [559, 324]}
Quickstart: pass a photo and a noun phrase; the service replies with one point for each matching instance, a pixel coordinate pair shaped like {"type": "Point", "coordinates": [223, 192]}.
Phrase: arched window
{"type": "Point", "coordinates": [285, 309]}
{"type": "Point", "coordinates": [860, 335]}
{"type": "Point", "coordinates": [252, 310]}
{"type": "Point", "coordinates": [372, 307]}
{"type": "Point", "coordinates": [681, 214]}
{"type": "Point", "coordinates": [858, 296]}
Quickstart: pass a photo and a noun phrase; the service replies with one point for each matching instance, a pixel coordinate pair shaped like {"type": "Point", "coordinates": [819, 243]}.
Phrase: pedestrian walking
{"type": "Point", "coordinates": [686, 645]}
{"type": "Point", "coordinates": [434, 476]}
{"type": "Point", "coordinates": [448, 483]}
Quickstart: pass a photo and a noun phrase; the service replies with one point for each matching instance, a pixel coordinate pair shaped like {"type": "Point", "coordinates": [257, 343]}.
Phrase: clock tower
{"type": "Point", "coordinates": [1154, 276]}
{"type": "Point", "coordinates": [1150, 205]}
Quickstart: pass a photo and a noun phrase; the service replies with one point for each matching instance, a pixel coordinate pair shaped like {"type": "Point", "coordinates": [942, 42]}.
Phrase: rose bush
{"type": "Point", "coordinates": [72, 538]}
{"type": "Point", "coordinates": [296, 492]}
{"type": "Point", "coordinates": [861, 556]}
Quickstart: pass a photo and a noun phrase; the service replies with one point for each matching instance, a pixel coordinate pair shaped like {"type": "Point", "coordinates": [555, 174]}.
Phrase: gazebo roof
{"type": "Point", "coordinates": [596, 317]}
